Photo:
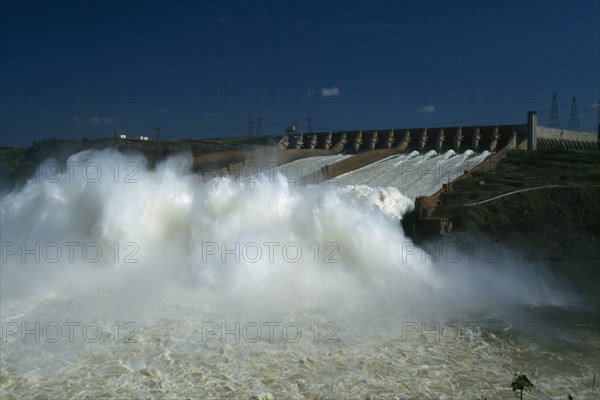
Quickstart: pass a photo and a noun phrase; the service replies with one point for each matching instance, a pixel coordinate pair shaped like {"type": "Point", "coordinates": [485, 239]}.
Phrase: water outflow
{"type": "Point", "coordinates": [112, 238]}
{"type": "Point", "coordinates": [414, 174]}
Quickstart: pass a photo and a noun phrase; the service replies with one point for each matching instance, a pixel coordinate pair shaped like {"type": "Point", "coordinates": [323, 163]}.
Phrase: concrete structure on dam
{"type": "Point", "coordinates": [369, 146]}
{"type": "Point", "coordinates": [478, 138]}
{"type": "Point", "coordinates": [362, 148]}
{"type": "Point", "coordinates": [440, 139]}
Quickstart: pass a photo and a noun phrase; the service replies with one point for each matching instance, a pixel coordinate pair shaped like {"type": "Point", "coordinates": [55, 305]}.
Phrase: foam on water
{"type": "Point", "coordinates": [197, 245]}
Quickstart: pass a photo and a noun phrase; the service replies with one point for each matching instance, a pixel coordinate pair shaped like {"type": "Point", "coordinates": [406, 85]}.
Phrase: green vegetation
{"type": "Point", "coordinates": [521, 170]}
{"type": "Point", "coordinates": [520, 383]}
{"type": "Point", "coordinates": [552, 217]}
{"type": "Point", "coordinates": [18, 164]}
{"type": "Point", "coordinates": [11, 160]}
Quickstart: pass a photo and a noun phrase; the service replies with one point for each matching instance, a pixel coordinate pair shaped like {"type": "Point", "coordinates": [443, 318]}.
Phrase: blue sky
{"type": "Point", "coordinates": [85, 69]}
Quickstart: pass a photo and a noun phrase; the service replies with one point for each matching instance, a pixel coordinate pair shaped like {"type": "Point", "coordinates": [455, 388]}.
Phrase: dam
{"type": "Point", "coordinates": [363, 147]}
{"type": "Point", "coordinates": [185, 296]}
{"type": "Point", "coordinates": [420, 163]}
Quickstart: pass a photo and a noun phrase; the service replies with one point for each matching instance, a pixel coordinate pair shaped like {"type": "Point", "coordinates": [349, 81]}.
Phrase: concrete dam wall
{"type": "Point", "coordinates": [440, 139]}
{"type": "Point", "coordinates": [371, 146]}
{"type": "Point", "coordinates": [365, 147]}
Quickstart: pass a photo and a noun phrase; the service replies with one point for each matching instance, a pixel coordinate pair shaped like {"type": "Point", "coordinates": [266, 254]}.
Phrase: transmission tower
{"type": "Point", "coordinates": [309, 124]}
{"type": "Point", "coordinates": [258, 125]}
{"type": "Point", "coordinates": [554, 121]}
{"type": "Point", "coordinates": [250, 126]}
{"type": "Point", "coordinates": [573, 120]}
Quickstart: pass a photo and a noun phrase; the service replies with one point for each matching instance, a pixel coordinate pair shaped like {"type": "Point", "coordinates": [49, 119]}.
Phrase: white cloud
{"type": "Point", "coordinates": [427, 109]}
{"type": "Point", "coordinates": [595, 105]}
{"type": "Point", "coordinates": [95, 120]}
{"type": "Point", "coordinates": [210, 115]}
{"type": "Point", "coordinates": [330, 92]}
{"type": "Point", "coordinates": [161, 109]}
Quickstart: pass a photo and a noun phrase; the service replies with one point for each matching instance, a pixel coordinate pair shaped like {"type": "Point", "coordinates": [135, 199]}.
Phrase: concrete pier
{"type": "Point", "coordinates": [300, 141]}
{"type": "Point", "coordinates": [495, 138]}
{"type": "Point", "coordinates": [475, 140]}
{"type": "Point", "coordinates": [423, 140]}
{"type": "Point", "coordinates": [328, 141]}
{"type": "Point", "coordinates": [440, 141]}
{"type": "Point", "coordinates": [531, 131]}
{"type": "Point", "coordinates": [403, 146]}
{"type": "Point", "coordinates": [358, 141]}
{"type": "Point", "coordinates": [373, 141]}
{"type": "Point", "coordinates": [390, 139]}
{"type": "Point", "coordinates": [313, 142]}
{"type": "Point", "coordinates": [458, 139]}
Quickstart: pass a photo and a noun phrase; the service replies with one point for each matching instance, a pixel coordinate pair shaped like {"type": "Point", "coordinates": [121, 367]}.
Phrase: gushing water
{"type": "Point", "coordinates": [152, 240]}
{"type": "Point", "coordinates": [169, 251]}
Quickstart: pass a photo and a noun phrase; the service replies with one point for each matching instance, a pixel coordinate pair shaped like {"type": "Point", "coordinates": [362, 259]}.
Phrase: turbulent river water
{"type": "Point", "coordinates": [124, 281]}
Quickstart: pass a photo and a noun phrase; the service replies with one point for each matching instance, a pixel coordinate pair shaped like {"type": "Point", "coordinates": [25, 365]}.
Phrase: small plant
{"type": "Point", "coordinates": [521, 382]}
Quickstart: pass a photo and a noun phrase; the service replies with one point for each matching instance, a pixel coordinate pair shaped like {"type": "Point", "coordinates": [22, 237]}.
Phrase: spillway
{"type": "Point", "coordinates": [391, 184]}
{"type": "Point", "coordinates": [413, 174]}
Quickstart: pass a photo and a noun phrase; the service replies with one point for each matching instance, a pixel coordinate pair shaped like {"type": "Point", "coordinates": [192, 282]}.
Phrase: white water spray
{"type": "Point", "coordinates": [161, 255]}
{"type": "Point", "coordinates": [164, 236]}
